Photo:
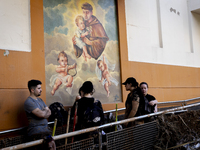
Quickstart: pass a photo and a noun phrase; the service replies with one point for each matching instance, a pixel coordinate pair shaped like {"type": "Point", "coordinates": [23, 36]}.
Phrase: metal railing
{"type": "Point", "coordinates": [17, 129]}
{"type": "Point", "coordinates": [183, 103]}
{"type": "Point", "coordinates": [71, 134]}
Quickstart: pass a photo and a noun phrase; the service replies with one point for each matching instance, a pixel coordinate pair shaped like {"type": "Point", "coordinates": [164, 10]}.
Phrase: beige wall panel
{"type": "Point", "coordinates": [166, 82]}
{"type": "Point", "coordinates": [122, 30]}
{"type": "Point", "coordinates": [11, 108]}
{"type": "Point", "coordinates": [162, 75]}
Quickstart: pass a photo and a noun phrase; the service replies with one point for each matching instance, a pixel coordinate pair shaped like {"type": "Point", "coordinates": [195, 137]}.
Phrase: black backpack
{"type": "Point", "coordinates": [93, 116]}
{"type": "Point", "coordinates": [58, 111]}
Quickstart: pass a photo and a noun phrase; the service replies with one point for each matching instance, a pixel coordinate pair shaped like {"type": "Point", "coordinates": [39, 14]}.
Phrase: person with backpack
{"type": "Point", "coordinates": [134, 104]}
{"type": "Point", "coordinates": [89, 110]}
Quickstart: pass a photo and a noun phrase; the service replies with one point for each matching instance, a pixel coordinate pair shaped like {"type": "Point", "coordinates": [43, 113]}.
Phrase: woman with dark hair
{"type": "Point", "coordinates": [151, 102]}
{"type": "Point", "coordinates": [134, 102]}
{"type": "Point", "coordinates": [86, 101]}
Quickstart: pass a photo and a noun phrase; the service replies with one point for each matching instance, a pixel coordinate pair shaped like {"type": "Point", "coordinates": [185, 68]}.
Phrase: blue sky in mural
{"type": "Point", "coordinates": [111, 18]}
{"type": "Point", "coordinates": [54, 18]}
{"type": "Point", "coordinates": [106, 3]}
{"type": "Point", "coordinates": [54, 2]}
{"type": "Point", "coordinates": [111, 25]}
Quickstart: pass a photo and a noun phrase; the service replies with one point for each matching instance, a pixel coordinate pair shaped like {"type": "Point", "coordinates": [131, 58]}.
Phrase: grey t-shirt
{"type": "Point", "coordinates": [36, 125]}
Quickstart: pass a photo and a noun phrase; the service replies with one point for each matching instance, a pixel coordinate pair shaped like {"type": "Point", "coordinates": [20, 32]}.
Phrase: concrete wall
{"type": "Point", "coordinates": [163, 32]}
{"type": "Point", "coordinates": [194, 6]}
{"type": "Point", "coordinates": [163, 47]}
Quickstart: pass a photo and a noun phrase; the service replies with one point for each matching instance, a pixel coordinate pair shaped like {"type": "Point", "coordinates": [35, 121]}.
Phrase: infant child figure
{"type": "Point", "coordinates": [106, 77]}
{"type": "Point", "coordinates": [62, 77]}
{"type": "Point", "coordinates": [79, 34]}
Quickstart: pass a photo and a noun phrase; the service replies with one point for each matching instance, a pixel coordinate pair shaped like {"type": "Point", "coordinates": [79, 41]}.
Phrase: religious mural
{"type": "Point", "coordinates": [81, 44]}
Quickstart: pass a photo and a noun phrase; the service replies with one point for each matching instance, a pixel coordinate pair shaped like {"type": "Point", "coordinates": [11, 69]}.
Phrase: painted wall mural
{"type": "Point", "coordinates": [81, 43]}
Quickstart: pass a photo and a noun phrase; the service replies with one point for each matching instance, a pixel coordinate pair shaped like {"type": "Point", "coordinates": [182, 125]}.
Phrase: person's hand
{"type": "Point", "coordinates": [45, 109]}
{"type": "Point", "coordinates": [152, 103]}
{"type": "Point", "coordinates": [86, 33]}
{"type": "Point", "coordinates": [52, 145]}
{"type": "Point", "coordinates": [73, 40]}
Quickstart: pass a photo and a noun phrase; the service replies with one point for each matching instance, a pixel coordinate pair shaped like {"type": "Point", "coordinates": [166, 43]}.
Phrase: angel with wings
{"type": "Point", "coordinates": [102, 72]}
{"type": "Point", "coordinates": [62, 76]}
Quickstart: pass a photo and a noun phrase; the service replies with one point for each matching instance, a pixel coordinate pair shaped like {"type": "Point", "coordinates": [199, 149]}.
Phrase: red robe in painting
{"type": "Point", "coordinates": [98, 37]}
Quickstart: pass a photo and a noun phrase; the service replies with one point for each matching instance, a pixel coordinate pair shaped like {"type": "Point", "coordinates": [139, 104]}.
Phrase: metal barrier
{"type": "Point", "coordinates": [175, 103]}
{"type": "Point", "coordinates": [110, 135]}
{"type": "Point", "coordinates": [83, 144]}
{"type": "Point", "coordinates": [138, 137]}
{"type": "Point", "coordinates": [17, 129]}
{"type": "Point", "coordinates": [183, 102]}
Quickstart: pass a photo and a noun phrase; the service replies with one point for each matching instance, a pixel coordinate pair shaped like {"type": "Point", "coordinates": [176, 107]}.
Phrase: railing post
{"type": "Point", "coordinates": [184, 104]}
{"type": "Point", "coordinates": [100, 139]}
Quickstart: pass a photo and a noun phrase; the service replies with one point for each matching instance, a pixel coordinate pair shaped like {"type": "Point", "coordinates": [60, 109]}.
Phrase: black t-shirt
{"type": "Point", "coordinates": [133, 97]}
{"type": "Point", "coordinates": [83, 104]}
{"type": "Point", "coordinates": [151, 98]}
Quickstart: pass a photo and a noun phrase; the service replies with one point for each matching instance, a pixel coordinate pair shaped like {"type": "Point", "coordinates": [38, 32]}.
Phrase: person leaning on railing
{"type": "Point", "coordinates": [134, 103]}
{"type": "Point", "coordinates": [150, 101]}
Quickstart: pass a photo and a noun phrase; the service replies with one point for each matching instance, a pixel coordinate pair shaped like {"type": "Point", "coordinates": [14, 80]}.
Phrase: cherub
{"type": "Point", "coordinates": [63, 76]}
{"type": "Point", "coordinates": [80, 33]}
{"type": "Point", "coordinates": [103, 74]}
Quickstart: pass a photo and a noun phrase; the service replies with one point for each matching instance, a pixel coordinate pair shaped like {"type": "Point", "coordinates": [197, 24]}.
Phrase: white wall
{"type": "Point", "coordinates": [15, 28]}
{"type": "Point", "coordinates": [163, 32]}
{"type": "Point", "coordinates": [194, 5]}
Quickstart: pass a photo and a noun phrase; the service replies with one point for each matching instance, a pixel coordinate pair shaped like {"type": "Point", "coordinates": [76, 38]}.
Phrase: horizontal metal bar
{"type": "Point", "coordinates": [120, 122]}
{"type": "Point", "coordinates": [180, 101]}
{"type": "Point", "coordinates": [66, 135]}
{"type": "Point", "coordinates": [180, 111]}
{"type": "Point", "coordinates": [159, 103]}
{"type": "Point", "coordinates": [17, 129]}
{"type": "Point", "coordinates": [120, 109]}
{"type": "Point", "coordinates": [11, 130]}
{"type": "Point", "coordinates": [113, 110]}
